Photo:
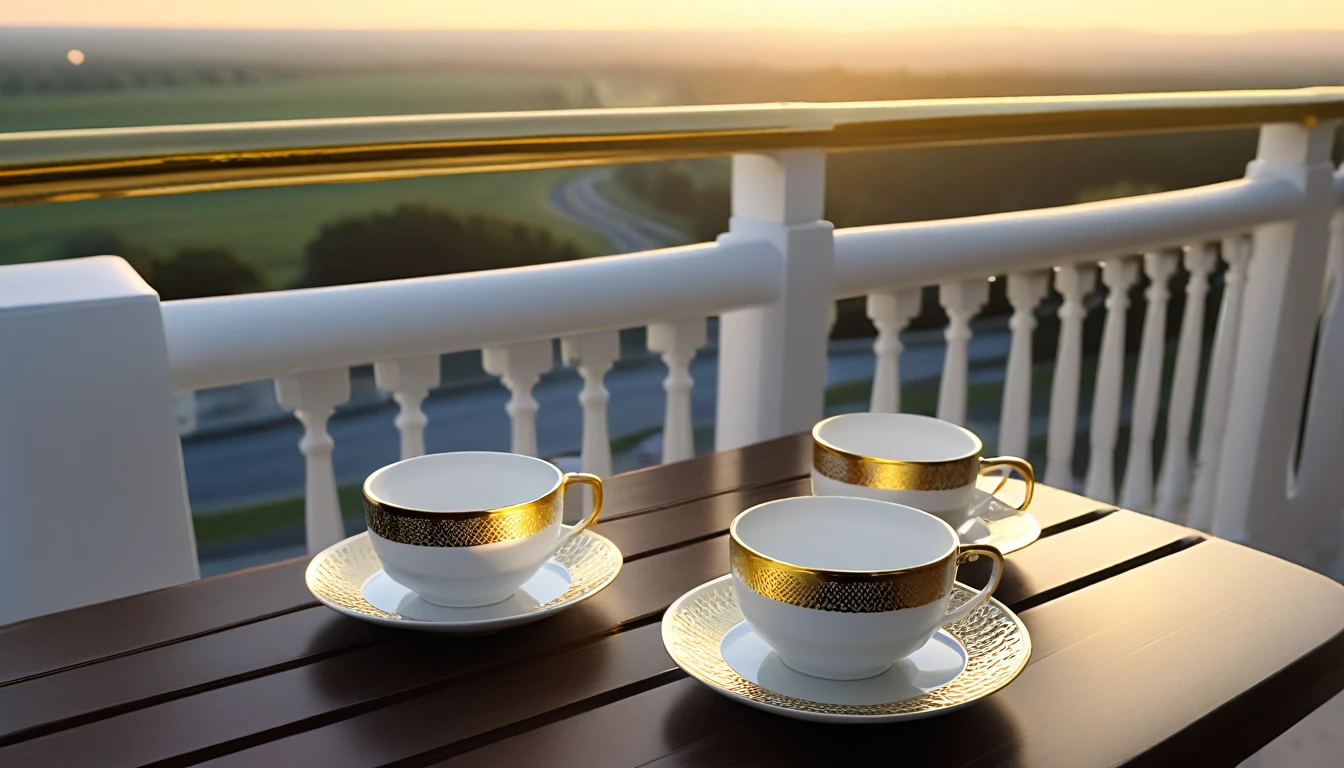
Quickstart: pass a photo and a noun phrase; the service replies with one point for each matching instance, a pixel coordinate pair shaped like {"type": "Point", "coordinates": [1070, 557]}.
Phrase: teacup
{"type": "Point", "coordinates": [468, 529]}
{"type": "Point", "coordinates": [920, 461]}
{"type": "Point", "coordinates": [842, 587]}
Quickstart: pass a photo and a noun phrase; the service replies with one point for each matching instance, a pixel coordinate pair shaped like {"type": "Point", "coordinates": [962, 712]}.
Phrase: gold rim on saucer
{"type": "Point", "coordinates": [336, 576]}
{"type": "Point", "coordinates": [996, 642]}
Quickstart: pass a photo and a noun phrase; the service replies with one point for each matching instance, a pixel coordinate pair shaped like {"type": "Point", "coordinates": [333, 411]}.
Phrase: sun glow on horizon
{"type": "Point", "coordinates": [1160, 16]}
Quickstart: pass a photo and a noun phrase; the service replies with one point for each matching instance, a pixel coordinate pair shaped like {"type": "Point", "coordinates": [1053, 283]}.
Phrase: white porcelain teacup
{"type": "Point", "coordinates": [844, 587]}
{"type": "Point", "coordinates": [920, 461]}
{"type": "Point", "coordinates": [468, 529]}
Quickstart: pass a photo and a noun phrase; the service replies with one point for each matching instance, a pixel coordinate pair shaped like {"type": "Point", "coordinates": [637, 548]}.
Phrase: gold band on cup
{"type": "Point", "coordinates": [462, 529]}
{"type": "Point", "coordinates": [893, 474]}
{"type": "Point", "coordinates": [842, 591]}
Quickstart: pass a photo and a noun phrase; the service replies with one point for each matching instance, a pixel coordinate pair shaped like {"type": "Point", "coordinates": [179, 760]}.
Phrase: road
{"type": "Point", "coordinates": [580, 200]}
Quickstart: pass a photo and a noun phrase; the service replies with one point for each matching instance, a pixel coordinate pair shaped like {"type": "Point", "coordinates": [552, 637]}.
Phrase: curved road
{"type": "Point", "coordinates": [579, 199]}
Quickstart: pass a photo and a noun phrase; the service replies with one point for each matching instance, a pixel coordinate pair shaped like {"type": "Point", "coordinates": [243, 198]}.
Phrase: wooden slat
{"type": "Point", "coordinates": [92, 692]}
{"type": "Point", "coordinates": [1115, 539]}
{"type": "Point", "coordinates": [1135, 669]}
{"type": "Point", "coordinates": [60, 641]}
{"type": "Point", "coordinates": [51, 702]}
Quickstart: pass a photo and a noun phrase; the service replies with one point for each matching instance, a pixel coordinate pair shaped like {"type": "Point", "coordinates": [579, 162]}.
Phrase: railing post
{"type": "Point", "coordinates": [1025, 291]}
{"type": "Point", "coordinates": [962, 301]}
{"type": "Point", "coordinates": [1236, 251]}
{"type": "Point", "coordinates": [409, 381]}
{"type": "Point", "coordinates": [772, 359]}
{"type": "Point", "coordinates": [1259, 501]}
{"type": "Point", "coordinates": [890, 312]}
{"type": "Point", "coordinates": [1137, 490]}
{"type": "Point", "coordinates": [1074, 282]}
{"type": "Point", "coordinates": [519, 367]}
{"type": "Point", "coordinates": [593, 355]}
{"type": "Point", "coordinates": [1099, 483]}
{"type": "Point", "coordinates": [90, 462]}
{"type": "Point", "coordinates": [313, 397]}
{"type": "Point", "coordinates": [677, 343]}
{"type": "Point", "coordinates": [1173, 483]}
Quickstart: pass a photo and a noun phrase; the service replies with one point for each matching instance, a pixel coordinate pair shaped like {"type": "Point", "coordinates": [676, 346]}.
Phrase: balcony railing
{"type": "Point", "coordinates": [1260, 473]}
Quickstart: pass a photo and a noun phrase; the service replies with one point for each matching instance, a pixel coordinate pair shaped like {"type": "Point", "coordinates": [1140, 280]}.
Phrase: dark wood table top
{"type": "Point", "coordinates": [1152, 644]}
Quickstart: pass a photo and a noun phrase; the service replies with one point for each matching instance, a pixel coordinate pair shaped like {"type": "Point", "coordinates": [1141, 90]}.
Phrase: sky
{"type": "Point", "coordinates": [1160, 16]}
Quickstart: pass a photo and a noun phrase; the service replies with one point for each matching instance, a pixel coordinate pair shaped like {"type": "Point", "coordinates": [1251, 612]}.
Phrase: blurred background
{"type": "Point", "coordinates": [72, 64]}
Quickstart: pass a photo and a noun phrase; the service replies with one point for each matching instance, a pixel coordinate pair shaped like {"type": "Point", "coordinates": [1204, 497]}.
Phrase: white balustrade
{"type": "Point", "coordinates": [594, 354]}
{"type": "Point", "coordinates": [519, 367]}
{"type": "Point", "coordinates": [1173, 483]}
{"type": "Point", "coordinates": [677, 343]}
{"type": "Point", "coordinates": [1259, 500]}
{"type": "Point", "coordinates": [891, 312]}
{"type": "Point", "coordinates": [1025, 292]}
{"type": "Point", "coordinates": [962, 301]}
{"type": "Point", "coordinates": [772, 358]}
{"type": "Point", "coordinates": [1099, 483]}
{"type": "Point", "coordinates": [1137, 491]}
{"type": "Point", "coordinates": [1235, 251]}
{"type": "Point", "coordinates": [313, 398]}
{"type": "Point", "coordinates": [1074, 282]}
{"type": "Point", "coordinates": [409, 381]}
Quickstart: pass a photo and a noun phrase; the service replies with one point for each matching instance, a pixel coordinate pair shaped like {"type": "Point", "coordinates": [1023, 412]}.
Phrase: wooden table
{"type": "Point", "coordinates": [1152, 644]}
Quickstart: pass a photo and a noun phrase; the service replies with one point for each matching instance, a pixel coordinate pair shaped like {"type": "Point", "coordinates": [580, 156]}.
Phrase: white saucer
{"type": "Point", "coordinates": [990, 521]}
{"type": "Point", "coordinates": [705, 634]}
{"type": "Point", "coordinates": [348, 577]}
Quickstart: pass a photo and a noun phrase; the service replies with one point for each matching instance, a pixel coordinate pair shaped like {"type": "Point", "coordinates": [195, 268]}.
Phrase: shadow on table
{"type": "Point", "coordinates": [707, 729]}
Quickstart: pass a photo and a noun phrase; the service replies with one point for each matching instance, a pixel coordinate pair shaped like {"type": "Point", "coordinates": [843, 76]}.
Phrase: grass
{"type": "Point", "coordinates": [271, 227]}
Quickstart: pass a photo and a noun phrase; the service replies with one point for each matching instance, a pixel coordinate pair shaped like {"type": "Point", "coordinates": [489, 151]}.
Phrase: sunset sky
{"type": "Point", "coordinates": [1169, 16]}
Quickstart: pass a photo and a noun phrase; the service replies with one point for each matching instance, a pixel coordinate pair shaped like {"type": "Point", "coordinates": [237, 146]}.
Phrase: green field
{"type": "Point", "coordinates": [270, 227]}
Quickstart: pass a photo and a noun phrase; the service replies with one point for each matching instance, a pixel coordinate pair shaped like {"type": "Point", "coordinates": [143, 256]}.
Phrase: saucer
{"type": "Point", "coordinates": [349, 578]}
{"type": "Point", "coordinates": [990, 521]}
{"type": "Point", "coordinates": [705, 634]}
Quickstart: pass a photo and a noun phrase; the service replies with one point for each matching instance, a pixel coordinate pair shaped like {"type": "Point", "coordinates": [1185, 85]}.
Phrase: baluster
{"type": "Point", "coordinates": [1236, 251]}
{"type": "Point", "coordinates": [1174, 481]}
{"type": "Point", "coordinates": [890, 311]}
{"type": "Point", "coordinates": [593, 355]}
{"type": "Point", "coordinates": [962, 301]}
{"type": "Point", "coordinates": [519, 367]}
{"type": "Point", "coordinates": [409, 381]}
{"type": "Point", "coordinates": [313, 397]}
{"type": "Point", "coordinates": [1074, 282]}
{"type": "Point", "coordinates": [1025, 291]}
{"type": "Point", "coordinates": [1117, 275]}
{"type": "Point", "coordinates": [1137, 491]}
{"type": "Point", "coordinates": [677, 343]}
{"type": "Point", "coordinates": [184, 407]}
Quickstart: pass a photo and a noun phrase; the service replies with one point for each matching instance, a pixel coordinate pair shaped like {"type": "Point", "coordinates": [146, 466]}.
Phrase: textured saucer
{"type": "Point", "coordinates": [990, 521]}
{"type": "Point", "coordinates": [348, 577]}
{"type": "Point", "coordinates": [963, 663]}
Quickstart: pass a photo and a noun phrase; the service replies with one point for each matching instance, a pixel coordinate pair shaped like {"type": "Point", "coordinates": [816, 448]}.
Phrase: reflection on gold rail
{"type": "Point", "coordinates": [838, 127]}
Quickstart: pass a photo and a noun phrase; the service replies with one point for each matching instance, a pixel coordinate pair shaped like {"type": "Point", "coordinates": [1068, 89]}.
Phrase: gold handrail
{"type": "Point", "coordinates": [58, 166]}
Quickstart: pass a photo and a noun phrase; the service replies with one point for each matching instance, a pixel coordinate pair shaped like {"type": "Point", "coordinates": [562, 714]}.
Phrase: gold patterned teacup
{"type": "Point", "coordinates": [468, 529]}
{"type": "Point", "coordinates": [926, 463]}
{"type": "Point", "coordinates": [842, 587]}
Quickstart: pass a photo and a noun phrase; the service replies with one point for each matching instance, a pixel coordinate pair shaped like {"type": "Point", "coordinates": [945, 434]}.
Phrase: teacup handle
{"type": "Point", "coordinates": [1012, 462]}
{"type": "Point", "coordinates": [970, 552]}
{"type": "Point", "coordinates": [592, 481]}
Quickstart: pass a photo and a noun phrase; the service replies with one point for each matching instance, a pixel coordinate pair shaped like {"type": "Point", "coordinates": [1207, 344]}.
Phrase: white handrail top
{"type": "Point", "coordinates": [76, 145]}
{"type": "Point", "coordinates": [923, 253]}
{"type": "Point", "coordinates": [233, 339]}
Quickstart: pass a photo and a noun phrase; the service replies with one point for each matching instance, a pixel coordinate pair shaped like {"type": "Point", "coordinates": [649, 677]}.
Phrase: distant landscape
{"type": "Point", "coordinates": [138, 77]}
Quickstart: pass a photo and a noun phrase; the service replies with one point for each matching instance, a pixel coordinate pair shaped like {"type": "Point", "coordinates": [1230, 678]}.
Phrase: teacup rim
{"type": "Point", "coordinates": [460, 513]}
{"type": "Point", "coordinates": [842, 572]}
{"type": "Point", "coordinates": [819, 440]}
